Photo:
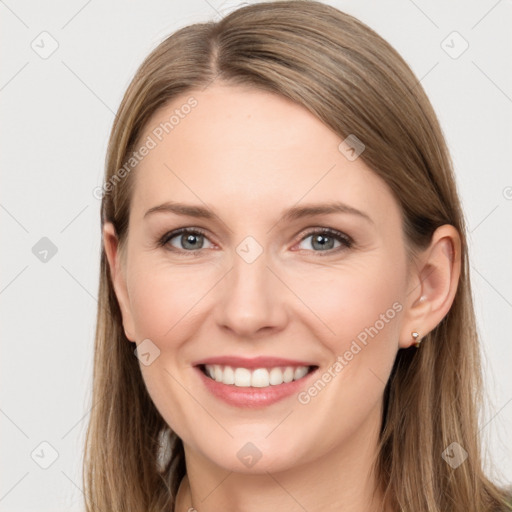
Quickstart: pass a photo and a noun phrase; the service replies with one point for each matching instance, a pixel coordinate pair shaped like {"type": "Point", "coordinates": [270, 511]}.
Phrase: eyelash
{"type": "Point", "coordinates": [346, 241]}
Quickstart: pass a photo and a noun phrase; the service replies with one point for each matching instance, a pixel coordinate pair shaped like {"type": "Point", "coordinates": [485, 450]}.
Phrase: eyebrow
{"type": "Point", "coordinates": [293, 213]}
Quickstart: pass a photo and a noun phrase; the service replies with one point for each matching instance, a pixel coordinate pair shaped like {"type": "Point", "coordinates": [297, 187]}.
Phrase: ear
{"type": "Point", "coordinates": [111, 244]}
{"type": "Point", "coordinates": [433, 282]}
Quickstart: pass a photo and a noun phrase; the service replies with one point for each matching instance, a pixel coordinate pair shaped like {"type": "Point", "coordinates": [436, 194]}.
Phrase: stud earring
{"type": "Point", "coordinates": [416, 338]}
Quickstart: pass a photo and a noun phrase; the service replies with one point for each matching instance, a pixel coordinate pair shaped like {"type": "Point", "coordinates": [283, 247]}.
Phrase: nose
{"type": "Point", "coordinates": [252, 299]}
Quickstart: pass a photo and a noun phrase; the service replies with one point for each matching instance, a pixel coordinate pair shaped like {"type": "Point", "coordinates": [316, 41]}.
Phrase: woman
{"type": "Point", "coordinates": [285, 255]}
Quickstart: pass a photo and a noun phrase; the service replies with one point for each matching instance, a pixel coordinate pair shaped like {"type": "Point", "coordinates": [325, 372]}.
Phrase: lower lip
{"type": "Point", "coordinates": [253, 397]}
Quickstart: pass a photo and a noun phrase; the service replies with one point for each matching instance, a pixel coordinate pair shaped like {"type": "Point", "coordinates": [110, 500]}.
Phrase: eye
{"type": "Point", "coordinates": [185, 240]}
{"type": "Point", "coordinates": [192, 240]}
{"type": "Point", "coordinates": [325, 240]}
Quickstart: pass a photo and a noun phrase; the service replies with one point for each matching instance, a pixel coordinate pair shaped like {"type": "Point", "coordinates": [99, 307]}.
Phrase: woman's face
{"type": "Point", "coordinates": [257, 284]}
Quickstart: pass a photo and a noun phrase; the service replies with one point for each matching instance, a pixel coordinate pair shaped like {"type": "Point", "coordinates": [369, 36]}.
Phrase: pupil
{"type": "Point", "coordinates": [323, 241]}
{"type": "Point", "coordinates": [189, 239]}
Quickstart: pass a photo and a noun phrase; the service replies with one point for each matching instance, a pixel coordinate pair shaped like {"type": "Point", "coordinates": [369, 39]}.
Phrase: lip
{"type": "Point", "coordinates": [249, 397]}
{"type": "Point", "coordinates": [253, 362]}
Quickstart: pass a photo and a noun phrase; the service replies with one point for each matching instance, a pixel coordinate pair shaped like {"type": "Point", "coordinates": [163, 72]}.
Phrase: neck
{"type": "Point", "coordinates": [341, 480]}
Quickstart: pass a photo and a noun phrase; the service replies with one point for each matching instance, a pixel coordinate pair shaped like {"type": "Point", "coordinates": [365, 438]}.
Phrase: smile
{"type": "Point", "coordinates": [255, 378]}
{"type": "Point", "coordinates": [257, 382]}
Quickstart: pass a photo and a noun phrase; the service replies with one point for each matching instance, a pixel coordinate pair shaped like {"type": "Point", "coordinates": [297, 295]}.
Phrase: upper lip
{"type": "Point", "coordinates": [254, 362]}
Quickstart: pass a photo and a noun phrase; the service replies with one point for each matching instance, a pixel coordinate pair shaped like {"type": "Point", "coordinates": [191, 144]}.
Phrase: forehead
{"type": "Point", "coordinates": [252, 148]}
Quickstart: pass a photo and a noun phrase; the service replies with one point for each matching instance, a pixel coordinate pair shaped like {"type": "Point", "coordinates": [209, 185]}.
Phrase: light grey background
{"type": "Point", "coordinates": [56, 113]}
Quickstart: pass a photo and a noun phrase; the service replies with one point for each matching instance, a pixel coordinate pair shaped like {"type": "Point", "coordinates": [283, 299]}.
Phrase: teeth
{"type": "Point", "coordinates": [228, 376]}
{"type": "Point", "coordinates": [260, 378]}
{"type": "Point", "coordinates": [276, 376]}
{"type": "Point", "coordinates": [242, 377]}
{"type": "Point", "coordinates": [257, 378]}
{"type": "Point", "coordinates": [288, 374]}
{"type": "Point", "coordinates": [300, 372]}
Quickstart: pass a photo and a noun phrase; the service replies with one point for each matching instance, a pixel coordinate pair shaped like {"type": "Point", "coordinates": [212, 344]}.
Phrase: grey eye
{"type": "Point", "coordinates": [321, 242]}
{"type": "Point", "coordinates": [188, 241]}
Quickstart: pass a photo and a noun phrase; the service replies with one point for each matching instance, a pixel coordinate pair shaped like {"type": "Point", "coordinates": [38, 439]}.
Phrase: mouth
{"type": "Point", "coordinates": [254, 383]}
{"type": "Point", "coordinates": [257, 377]}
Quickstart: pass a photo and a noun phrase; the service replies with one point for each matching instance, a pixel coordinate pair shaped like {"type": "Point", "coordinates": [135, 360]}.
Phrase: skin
{"type": "Point", "coordinates": [249, 155]}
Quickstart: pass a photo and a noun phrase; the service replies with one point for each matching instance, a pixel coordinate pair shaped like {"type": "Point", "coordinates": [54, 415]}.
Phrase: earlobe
{"type": "Point", "coordinates": [434, 283]}
{"type": "Point", "coordinates": [111, 247]}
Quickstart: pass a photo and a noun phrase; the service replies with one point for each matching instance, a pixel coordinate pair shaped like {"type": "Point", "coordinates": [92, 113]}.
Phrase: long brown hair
{"type": "Point", "coordinates": [355, 83]}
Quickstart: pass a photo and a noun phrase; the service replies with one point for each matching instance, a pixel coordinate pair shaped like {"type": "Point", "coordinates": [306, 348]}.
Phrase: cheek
{"type": "Point", "coordinates": [163, 301]}
{"type": "Point", "coordinates": [162, 298]}
{"type": "Point", "coordinates": [360, 312]}
{"type": "Point", "coordinates": [358, 301]}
